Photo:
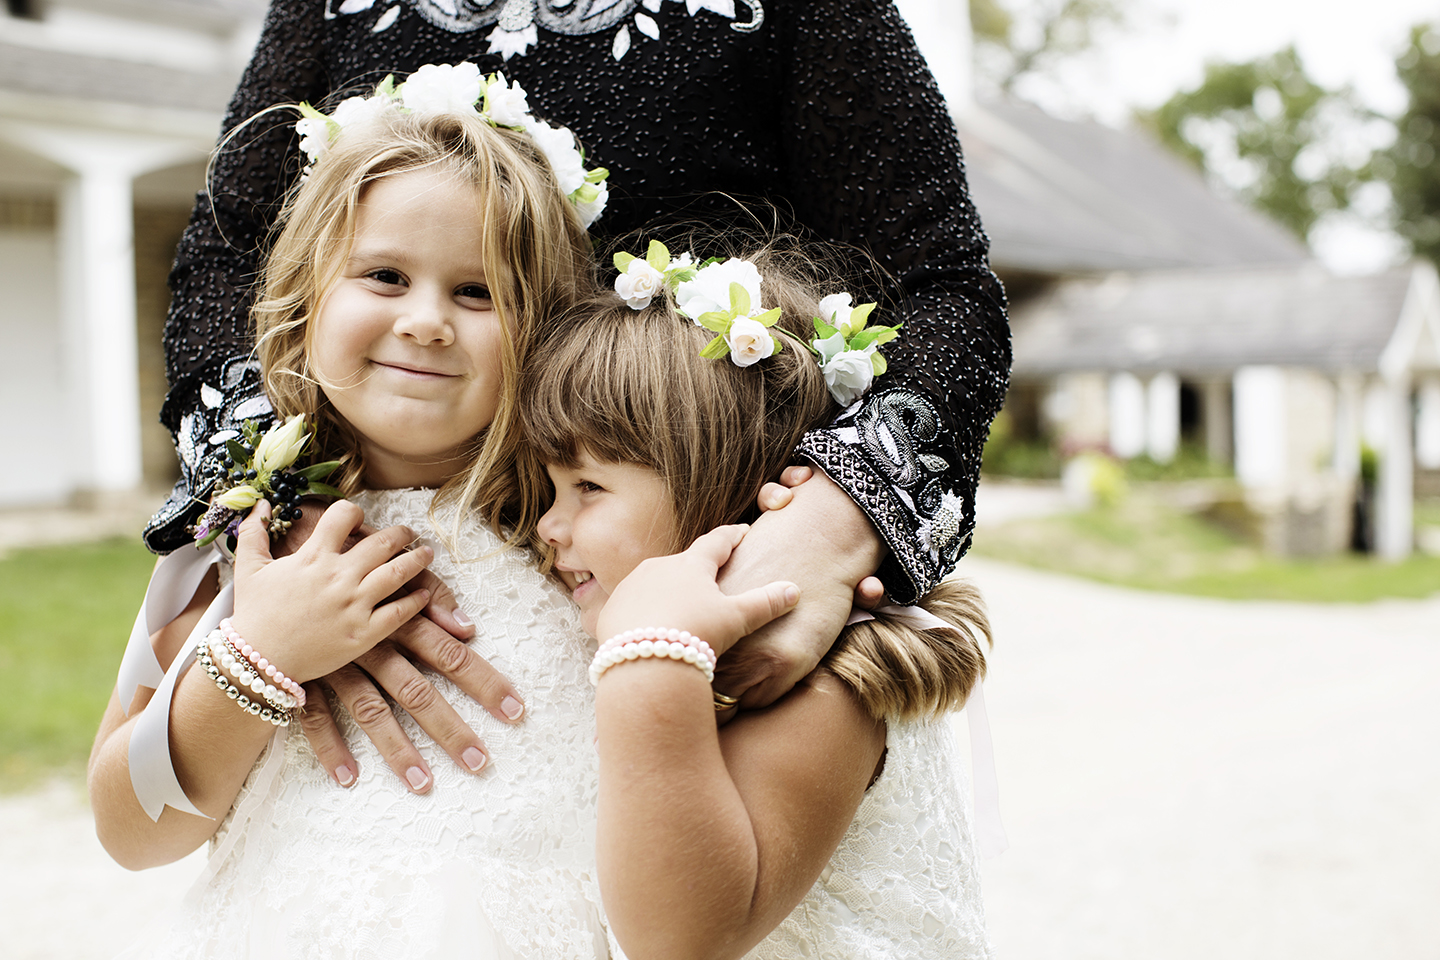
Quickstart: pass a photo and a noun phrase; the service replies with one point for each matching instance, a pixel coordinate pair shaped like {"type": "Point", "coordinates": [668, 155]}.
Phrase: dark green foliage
{"type": "Point", "coordinates": [1410, 165]}
{"type": "Point", "coordinates": [1271, 134]}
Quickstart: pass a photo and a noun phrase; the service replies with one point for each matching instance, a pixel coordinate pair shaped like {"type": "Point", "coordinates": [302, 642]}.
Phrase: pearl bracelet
{"type": "Point", "coordinates": [660, 642]}
{"type": "Point", "coordinates": [233, 662]}
{"type": "Point", "coordinates": [269, 713]}
{"type": "Point", "coordinates": [262, 666]}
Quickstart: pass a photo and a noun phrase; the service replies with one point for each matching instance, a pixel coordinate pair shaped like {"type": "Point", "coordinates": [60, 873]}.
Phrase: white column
{"type": "Point", "coordinates": [1395, 486]}
{"type": "Point", "coordinates": [1127, 415]}
{"type": "Point", "coordinates": [1219, 423]}
{"type": "Point", "coordinates": [1349, 392]}
{"type": "Point", "coordinates": [97, 288]}
{"type": "Point", "coordinates": [1260, 436]}
{"type": "Point", "coordinates": [98, 295]}
{"type": "Point", "coordinates": [1162, 417]}
{"type": "Point", "coordinates": [1427, 424]}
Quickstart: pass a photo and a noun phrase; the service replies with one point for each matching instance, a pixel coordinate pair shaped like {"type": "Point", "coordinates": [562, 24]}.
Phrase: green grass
{"type": "Point", "coordinates": [1146, 544]}
{"type": "Point", "coordinates": [65, 615]}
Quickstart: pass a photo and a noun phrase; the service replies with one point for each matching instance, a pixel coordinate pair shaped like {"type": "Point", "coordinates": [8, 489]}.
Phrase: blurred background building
{"type": "Point", "coordinates": [108, 110]}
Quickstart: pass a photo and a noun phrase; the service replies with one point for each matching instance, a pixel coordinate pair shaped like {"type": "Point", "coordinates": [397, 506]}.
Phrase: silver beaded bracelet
{"type": "Point", "coordinates": [278, 716]}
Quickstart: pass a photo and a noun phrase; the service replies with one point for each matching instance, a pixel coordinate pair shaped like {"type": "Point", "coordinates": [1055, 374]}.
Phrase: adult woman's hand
{"type": "Point", "coordinates": [825, 544]}
{"type": "Point", "coordinates": [436, 640]}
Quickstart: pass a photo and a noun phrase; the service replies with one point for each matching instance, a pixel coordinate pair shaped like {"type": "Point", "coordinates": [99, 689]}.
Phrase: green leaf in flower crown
{"type": "Point", "coordinates": [715, 349]}
{"type": "Point", "coordinates": [386, 87]}
{"type": "Point", "coordinates": [707, 261]}
{"type": "Point", "coordinates": [872, 335]}
{"type": "Point", "coordinates": [715, 320]}
{"type": "Point", "coordinates": [237, 452]}
{"type": "Point", "coordinates": [585, 193]}
{"type": "Point", "coordinates": [319, 471]}
{"type": "Point", "coordinates": [768, 318]}
{"type": "Point", "coordinates": [823, 330]}
{"type": "Point", "coordinates": [324, 490]}
{"type": "Point", "coordinates": [859, 315]}
{"type": "Point", "coordinates": [310, 113]}
{"type": "Point", "coordinates": [623, 260]}
{"type": "Point", "coordinates": [678, 275]}
{"type": "Point", "coordinates": [877, 363]}
{"type": "Point", "coordinates": [657, 256]}
{"type": "Point", "coordinates": [597, 175]}
{"type": "Point", "coordinates": [739, 300]}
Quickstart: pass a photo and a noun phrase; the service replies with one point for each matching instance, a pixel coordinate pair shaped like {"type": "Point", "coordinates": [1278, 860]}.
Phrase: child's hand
{"type": "Point", "coordinates": [324, 605]}
{"type": "Point", "coordinates": [679, 591]}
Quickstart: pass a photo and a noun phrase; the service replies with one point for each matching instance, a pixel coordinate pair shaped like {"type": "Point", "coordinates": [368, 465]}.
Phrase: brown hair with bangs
{"type": "Point", "coordinates": [537, 261]}
{"type": "Point", "coordinates": [629, 386]}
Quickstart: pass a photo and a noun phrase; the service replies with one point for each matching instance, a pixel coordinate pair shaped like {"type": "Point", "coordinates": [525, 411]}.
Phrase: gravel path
{"type": "Point", "coordinates": [1180, 778]}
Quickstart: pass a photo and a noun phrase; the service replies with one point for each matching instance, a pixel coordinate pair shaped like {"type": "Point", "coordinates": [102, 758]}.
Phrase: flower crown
{"type": "Point", "coordinates": [723, 296]}
{"type": "Point", "coordinates": [459, 89]}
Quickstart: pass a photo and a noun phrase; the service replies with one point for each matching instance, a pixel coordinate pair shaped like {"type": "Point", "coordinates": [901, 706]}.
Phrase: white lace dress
{"type": "Point", "coordinates": [499, 865]}
{"type": "Point", "coordinates": [904, 883]}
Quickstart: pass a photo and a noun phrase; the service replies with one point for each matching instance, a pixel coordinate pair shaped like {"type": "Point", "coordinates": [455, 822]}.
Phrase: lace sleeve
{"type": "Point", "coordinates": [214, 382]}
{"type": "Point", "coordinates": [874, 161]}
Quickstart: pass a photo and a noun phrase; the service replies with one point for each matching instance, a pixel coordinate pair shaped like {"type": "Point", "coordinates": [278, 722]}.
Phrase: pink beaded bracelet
{"type": "Point", "coordinates": [661, 642]}
{"type": "Point", "coordinates": [262, 666]}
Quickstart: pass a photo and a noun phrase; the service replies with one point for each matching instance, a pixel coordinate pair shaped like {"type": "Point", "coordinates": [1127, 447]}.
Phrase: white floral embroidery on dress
{"type": "Point", "coordinates": [516, 21]}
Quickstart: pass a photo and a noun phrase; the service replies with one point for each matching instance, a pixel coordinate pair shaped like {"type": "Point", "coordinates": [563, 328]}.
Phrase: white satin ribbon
{"type": "Point", "coordinates": [173, 583]}
{"type": "Point", "coordinates": [990, 839]}
{"type": "Point", "coordinates": [152, 772]}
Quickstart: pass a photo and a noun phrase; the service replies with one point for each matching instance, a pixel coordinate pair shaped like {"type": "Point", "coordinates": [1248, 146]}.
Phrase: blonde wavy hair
{"type": "Point", "coordinates": [536, 254]}
{"type": "Point", "coordinates": [630, 386]}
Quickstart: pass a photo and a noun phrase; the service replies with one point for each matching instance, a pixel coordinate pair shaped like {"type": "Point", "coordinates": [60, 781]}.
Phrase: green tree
{"type": "Point", "coordinates": [1273, 136]}
{"type": "Point", "coordinates": [1019, 38]}
{"type": "Point", "coordinates": [1409, 165]}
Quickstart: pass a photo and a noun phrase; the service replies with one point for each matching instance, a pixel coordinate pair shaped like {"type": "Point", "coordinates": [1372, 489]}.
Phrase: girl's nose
{"type": "Point", "coordinates": [424, 321]}
{"type": "Point", "coordinates": [552, 527]}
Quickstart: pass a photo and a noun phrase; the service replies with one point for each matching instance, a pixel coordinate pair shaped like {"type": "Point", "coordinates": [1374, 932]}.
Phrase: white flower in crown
{"type": "Point", "coordinates": [314, 136]}
{"type": "Point", "coordinates": [849, 351]}
{"type": "Point", "coordinates": [590, 210]}
{"type": "Point", "coordinates": [710, 290]}
{"type": "Point", "coordinates": [639, 284]}
{"type": "Point", "coordinates": [505, 103]}
{"type": "Point", "coordinates": [558, 145]}
{"type": "Point", "coordinates": [749, 341]}
{"type": "Point", "coordinates": [354, 111]}
{"type": "Point", "coordinates": [835, 310]}
{"type": "Point", "coordinates": [848, 374]}
{"type": "Point", "coordinates": [438, 88]}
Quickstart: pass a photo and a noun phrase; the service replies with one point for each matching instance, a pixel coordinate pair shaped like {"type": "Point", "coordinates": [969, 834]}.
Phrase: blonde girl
{"type": "Point", "coordinates": [418, 256]}
{"type": "Point", "coordinates": [828, 825]}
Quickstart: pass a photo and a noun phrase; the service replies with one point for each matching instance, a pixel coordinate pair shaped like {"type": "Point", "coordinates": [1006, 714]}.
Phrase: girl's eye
{"type": "Point", "coordinates": [473, 291]}
{"type": "Point", "coordinates": [586, 486]}
{"type": "Point", "coordinates": [387, 276]}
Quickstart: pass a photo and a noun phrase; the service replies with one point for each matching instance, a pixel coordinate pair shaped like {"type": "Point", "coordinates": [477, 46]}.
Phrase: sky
{"type": "Point", "coordinates": [1164, 44]}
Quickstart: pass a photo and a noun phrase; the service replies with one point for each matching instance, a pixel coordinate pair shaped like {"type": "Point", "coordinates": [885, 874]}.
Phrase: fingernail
{"type": "Point", "coordinates": [512, 708]}
{"type": "Point", "coordinates": [462, 618]}
{"type": "Point", "coordinates": [792, 594]}
{"type": "Point", "coordinates": [473, 758]}
{"type": "Point", "coordinates": [344, 775]}
{"type": "Point", "coordinates": [418, 778]}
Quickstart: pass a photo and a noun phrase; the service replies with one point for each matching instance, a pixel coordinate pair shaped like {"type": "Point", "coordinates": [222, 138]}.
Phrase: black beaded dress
{"type": "Point", "coordinates": [823, 108]}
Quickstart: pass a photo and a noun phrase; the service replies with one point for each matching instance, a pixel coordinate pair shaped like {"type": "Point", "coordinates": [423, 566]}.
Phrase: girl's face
{"type": "Point", "coordinates": [606, 518]}
{"type": "Point", "coordinates": [407, 342]}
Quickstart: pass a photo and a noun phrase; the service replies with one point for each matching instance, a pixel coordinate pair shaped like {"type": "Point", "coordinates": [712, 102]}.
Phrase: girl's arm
{"type": "Point", "coordinates": [707, 839]}
{"type": "Point", "coordinates": [336, 599]}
